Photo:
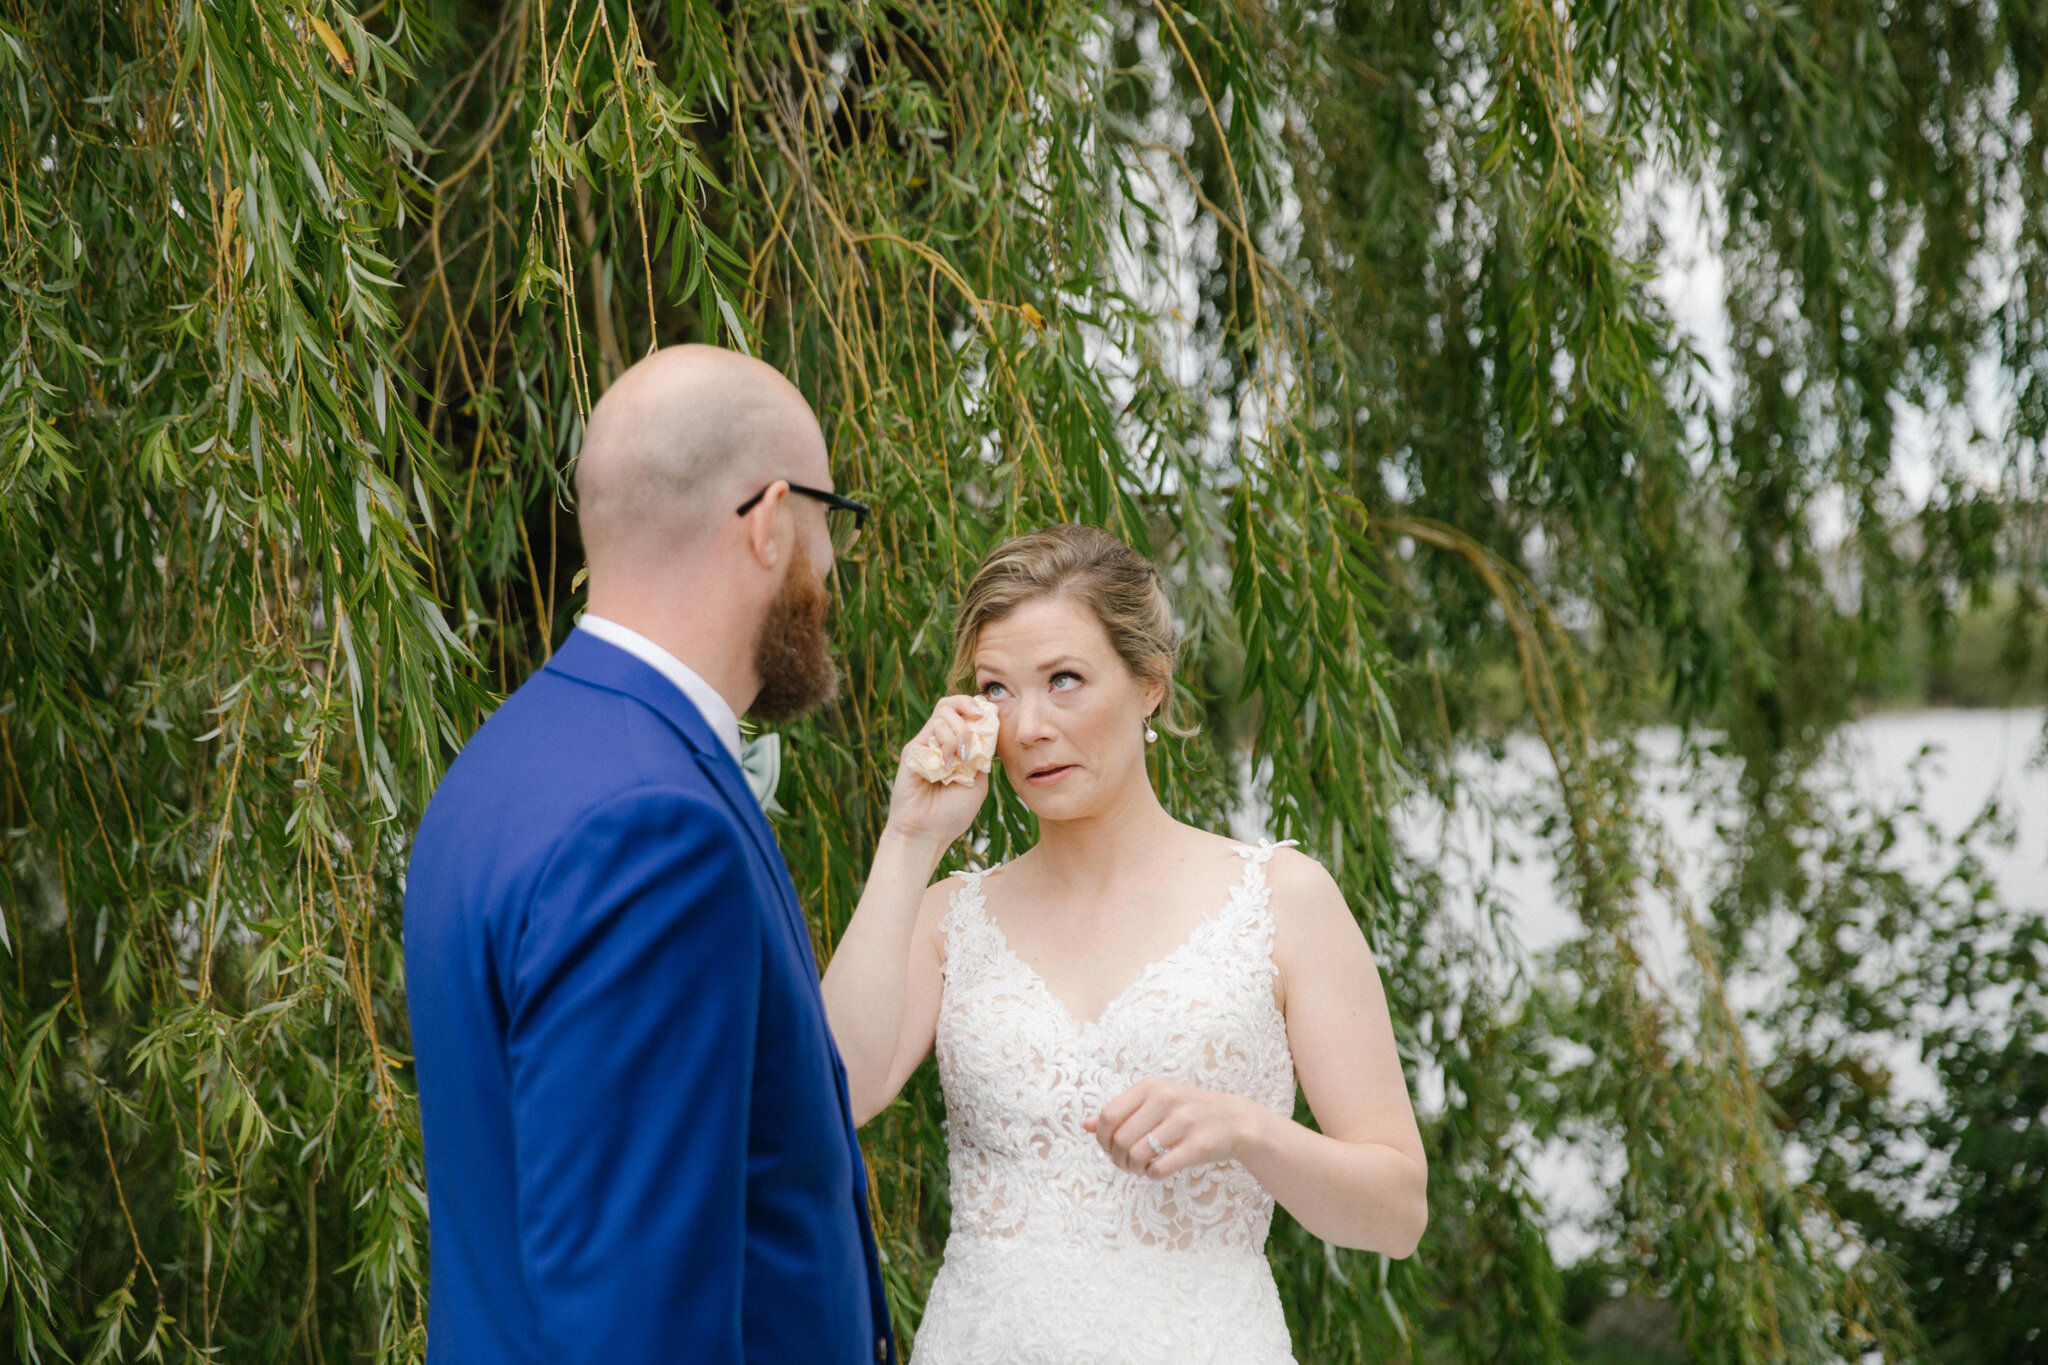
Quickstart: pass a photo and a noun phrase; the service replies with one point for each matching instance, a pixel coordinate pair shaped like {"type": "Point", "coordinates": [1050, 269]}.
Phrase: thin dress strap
{"type": "Point", "coordinates": [1253, 899]}
{"type": "Point", "coordinates": [966, 923]}
{"type": "Point", "coordinates": [1266, 849]}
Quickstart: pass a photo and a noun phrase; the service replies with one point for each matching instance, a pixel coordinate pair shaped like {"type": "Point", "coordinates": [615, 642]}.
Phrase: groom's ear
{"type": "Point", "coordinates": [768, 549]}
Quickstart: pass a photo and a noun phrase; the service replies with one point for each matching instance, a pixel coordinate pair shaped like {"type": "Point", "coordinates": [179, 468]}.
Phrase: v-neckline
{"type": "Point", "coordinates": [1066, 1014]}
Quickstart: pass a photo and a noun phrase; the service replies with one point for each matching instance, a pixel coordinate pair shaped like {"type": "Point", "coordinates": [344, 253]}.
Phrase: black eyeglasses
{"type": "Point", "coordinates": [845, 531]}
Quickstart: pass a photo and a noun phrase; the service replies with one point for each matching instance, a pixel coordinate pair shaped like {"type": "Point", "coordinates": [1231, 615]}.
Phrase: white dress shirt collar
{"type": "Point", "coordinates": [714, 708]}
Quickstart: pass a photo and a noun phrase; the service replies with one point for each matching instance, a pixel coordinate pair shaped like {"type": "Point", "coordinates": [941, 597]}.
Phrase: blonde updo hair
{"type": "Point", "coordinates": [1099, 571]}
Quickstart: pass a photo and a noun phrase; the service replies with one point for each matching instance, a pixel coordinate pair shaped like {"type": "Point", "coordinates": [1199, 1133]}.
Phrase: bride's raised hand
{"type": "Point", "coordinates": [934, 813]}
{"type": "Point", "coordinates": [1158, 1127]}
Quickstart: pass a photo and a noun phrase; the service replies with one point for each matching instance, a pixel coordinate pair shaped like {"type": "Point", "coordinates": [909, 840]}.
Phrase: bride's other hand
{"type": "Point", "coordinates": [931, 813]}
{"type": "Point", "coordinates": [1196, 1126]}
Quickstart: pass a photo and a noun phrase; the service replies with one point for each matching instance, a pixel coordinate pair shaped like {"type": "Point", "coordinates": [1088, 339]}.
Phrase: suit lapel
{"type": "Point", "coordinates": [588, 659]}
{"type": "Point", "coordinates": [727, 776]}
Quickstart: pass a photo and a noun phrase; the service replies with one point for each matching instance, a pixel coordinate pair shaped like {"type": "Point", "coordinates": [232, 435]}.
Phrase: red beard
{"type": "Point", "coordinates": [793, 656]}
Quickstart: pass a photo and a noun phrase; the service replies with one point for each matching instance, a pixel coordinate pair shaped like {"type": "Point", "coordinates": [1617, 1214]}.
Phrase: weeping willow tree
{"type": "Point", "coordinates": [1347, 313]}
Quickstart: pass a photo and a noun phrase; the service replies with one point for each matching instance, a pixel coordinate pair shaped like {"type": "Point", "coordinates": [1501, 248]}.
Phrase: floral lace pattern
{"type": "Point", "coordinates": [1055, 1254]}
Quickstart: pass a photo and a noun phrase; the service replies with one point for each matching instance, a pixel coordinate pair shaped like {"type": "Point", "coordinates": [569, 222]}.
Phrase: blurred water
{"type": "Point", "coordinates": [1970, 758]}
{"type": "Point", "coordinates": [1491, 857]}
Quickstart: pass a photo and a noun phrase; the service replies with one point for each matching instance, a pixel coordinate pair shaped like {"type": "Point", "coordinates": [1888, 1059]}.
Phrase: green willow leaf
{"type": "Point", "coordinates": [1348, 314]}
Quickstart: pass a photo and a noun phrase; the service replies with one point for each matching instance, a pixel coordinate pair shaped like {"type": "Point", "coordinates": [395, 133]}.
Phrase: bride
{"type": "Point", "coordinates": [1121, 1014]}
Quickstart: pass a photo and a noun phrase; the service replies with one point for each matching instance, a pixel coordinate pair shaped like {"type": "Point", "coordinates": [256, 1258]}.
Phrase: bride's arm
{"type": "Point", "coordinates": [882, 982]}
{"type": "Point", "coordinates": [875, 995]}
{"type": "Point", "coordinates": [1362, 1180]}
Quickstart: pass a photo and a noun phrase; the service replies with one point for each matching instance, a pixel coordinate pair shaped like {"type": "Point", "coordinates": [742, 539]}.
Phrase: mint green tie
{"type": "Point", "coordinates": [761, 765]}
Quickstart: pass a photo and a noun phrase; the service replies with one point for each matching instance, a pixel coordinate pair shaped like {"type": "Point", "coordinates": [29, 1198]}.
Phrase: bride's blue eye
{"type": "Point", "coordinates": [1076, 677]}
{"type": "Point", "coordinates": [989, 690]}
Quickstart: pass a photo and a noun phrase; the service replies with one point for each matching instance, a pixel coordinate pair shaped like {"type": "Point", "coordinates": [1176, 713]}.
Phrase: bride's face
{"type": "Point", "coordinates": [1073, 715]}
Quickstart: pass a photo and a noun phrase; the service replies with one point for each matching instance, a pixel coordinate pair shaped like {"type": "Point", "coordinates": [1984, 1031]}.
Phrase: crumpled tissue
{"type": "Point", "coordinates": [957, 769]}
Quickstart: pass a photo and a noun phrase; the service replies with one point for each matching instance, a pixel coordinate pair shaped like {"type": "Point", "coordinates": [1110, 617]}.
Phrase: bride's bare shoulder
{"type": "Point", "coordinates": [1305, 897]}
{"type": "Point", "coordinates": [1199, 845]}
{"type": "Point", "coordinates": [1286, 868]}
{"type": "Point", "coordinates": [1292, 869]}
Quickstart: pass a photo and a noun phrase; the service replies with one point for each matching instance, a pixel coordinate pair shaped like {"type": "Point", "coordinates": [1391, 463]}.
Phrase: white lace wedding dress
{"type": "Point", "coordinates": [1056, 1256]}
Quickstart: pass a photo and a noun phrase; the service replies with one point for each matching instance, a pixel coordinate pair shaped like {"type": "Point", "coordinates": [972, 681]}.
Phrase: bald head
{"type": "Point", "coordinates": [678, 442]}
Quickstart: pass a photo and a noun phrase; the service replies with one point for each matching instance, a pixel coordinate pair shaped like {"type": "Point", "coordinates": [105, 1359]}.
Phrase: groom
{"type": "Point", "coordinates": [638, 1143]}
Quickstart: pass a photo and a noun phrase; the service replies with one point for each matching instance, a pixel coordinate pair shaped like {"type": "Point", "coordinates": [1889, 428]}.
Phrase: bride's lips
{"type": "Point", "coordinates": [1046, 776]}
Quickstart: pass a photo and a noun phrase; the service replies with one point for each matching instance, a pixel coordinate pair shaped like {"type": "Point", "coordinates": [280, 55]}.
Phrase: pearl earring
{"type": "Point", "coordinates": [1151, 735]}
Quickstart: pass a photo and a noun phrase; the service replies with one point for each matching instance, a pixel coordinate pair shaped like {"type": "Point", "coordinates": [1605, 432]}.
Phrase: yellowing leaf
{"type": "Point", "coordinates": [334, 47]}
{"type": "Point", "coordinates": [1034, 317]}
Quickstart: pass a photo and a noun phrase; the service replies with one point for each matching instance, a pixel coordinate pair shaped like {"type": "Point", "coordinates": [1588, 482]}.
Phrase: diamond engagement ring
{"type": "Point", "coordinates": [1158, 1148]}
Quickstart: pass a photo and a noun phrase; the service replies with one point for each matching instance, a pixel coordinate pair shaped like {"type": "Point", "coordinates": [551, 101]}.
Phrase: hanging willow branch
{"type": "Point", "coordinates": [305, 307]}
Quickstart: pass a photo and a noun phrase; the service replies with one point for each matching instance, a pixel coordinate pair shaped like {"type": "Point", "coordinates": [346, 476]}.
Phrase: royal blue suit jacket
{"type": "Point", "coordinates": [638, 1142]}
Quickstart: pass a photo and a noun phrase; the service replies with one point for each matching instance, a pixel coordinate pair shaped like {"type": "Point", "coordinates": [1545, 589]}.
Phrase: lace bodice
{"type": "Point", "coordinates": [1057, 1257]}
{"type": "Point", "coordinates": [1020, 1074]}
